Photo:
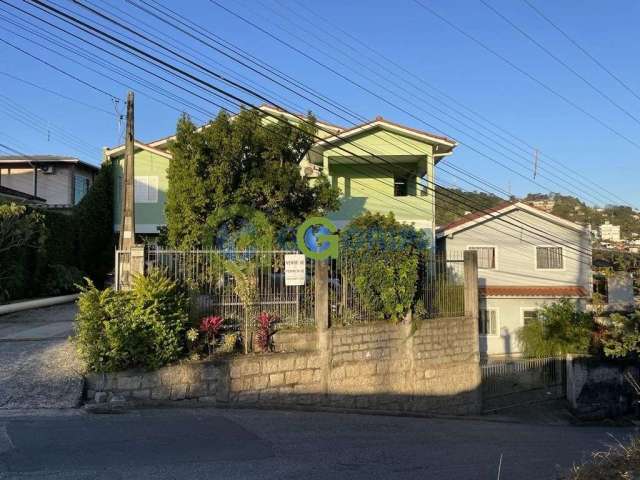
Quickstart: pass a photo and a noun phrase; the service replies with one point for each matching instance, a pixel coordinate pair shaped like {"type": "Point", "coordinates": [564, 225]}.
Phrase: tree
{"type": "Point", "coordinates": [242, 160]}
{"type": "Point", "coordinates": [560, 329]}
{"type": "Point", "coordinates": [20, 230]}
{"type": "Point", "coordinates": [94, 224]}
{"type": "Point", "coordinates": [382, 254]}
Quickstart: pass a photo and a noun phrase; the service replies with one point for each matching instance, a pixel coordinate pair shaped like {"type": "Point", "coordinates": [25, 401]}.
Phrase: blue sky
{"type": "Point", "coordinates": [416, 40]}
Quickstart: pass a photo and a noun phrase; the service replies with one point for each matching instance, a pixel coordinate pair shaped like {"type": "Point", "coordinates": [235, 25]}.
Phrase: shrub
{"type": "Point", "coordinates": [264, 333]}
{"type": "Point", "coordinates": [560, 329]}
{"type": "Point", "coordinates": [210, 326]}
{"type": "Point", "coordinates": [621, 337]}
{"type": "Point", "coordinates": [384, 255]}
{"type": "Point", "coordinates": [61, 279]}
{"type": "Point", "coordinates": [620, 462]}
{"type": "Point", "coordinates": [140, 328]}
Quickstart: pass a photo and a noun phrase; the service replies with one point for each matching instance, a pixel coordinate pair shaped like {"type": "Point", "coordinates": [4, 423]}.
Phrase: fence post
{"type": "Point", "coordinates": [322, 322]}
{"type": "Point", "coordinates": [471, 300]}
{"type": "Point", "coordinates": [322, 294]}
{"type": "Point", "coordinates": [137, 260]}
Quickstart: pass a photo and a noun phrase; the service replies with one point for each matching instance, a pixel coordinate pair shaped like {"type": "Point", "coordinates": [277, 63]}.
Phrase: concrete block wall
{"type": "Point", "coordinates": [376, 366]}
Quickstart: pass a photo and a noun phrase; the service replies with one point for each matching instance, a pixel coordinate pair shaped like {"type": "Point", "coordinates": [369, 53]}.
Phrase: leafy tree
{"type": "Point", "coordinates": [560, 329]}
{"type": "Point", "coordinates": [244, 160]}
{"type": "Point", "coordinates": [94, 225]}
{"type": "Point", "coordinates": [383, 256]}
{"type": "Point", "coordinates": [21, 235]}
{"type": "Point", "coordinates": [622, 336]}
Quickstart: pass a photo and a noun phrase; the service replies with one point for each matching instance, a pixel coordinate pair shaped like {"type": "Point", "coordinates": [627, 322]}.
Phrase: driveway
{"type": "Point", "coordinates": [239, 444]}
{"type": "Point", "coordinates": [38, 364]}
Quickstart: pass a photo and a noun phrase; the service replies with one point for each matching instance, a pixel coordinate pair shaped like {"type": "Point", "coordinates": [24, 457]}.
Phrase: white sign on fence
{"type": "Point", "coordinates": [294, 269]}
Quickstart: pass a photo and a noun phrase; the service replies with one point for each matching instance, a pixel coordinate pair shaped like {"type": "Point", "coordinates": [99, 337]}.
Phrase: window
{"type": "Point", "coordinates": [549, 258]}
{"type": "Point", "coordinates": [400, 185]}
{"type": "Point", "coordinates": [80, 188]}
{"type": "Point", "coordinates": [488, 321]}
{"type": "Point", "coordinates": [486, 256]}
{"type": "Point", "coordinates": [146, 189]}
{"type": "Point", "coordinates": [529, 316]}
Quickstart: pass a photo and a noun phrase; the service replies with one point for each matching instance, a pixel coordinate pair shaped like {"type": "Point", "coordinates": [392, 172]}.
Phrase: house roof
{"type": "Point", "coordinates": [380, 122]}
{"type": "Point", "coordinates": [10, 192]}
{"type": "Point", "coordinates": [337, 132]}
{"type": "Point", "coordinates": [140, 145]}
{"type": "Point", "coordinates": [43, 159]}
{"type": "Point", "coordinates": [481, 216]}
{"type": "Point", "coordinates": [573, 291]}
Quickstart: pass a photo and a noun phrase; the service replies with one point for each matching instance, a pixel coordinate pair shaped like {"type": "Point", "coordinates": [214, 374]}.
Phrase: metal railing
{"type": "Point", "coordinates": [523, 380]}
{"type": "Point", "coordinates": [218, 280]}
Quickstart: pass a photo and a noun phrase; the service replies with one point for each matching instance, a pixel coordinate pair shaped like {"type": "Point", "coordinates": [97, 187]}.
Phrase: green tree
{"type": "Point", "coordinates": [21, 233]}
{"type": "Point", "coordinates": [245, 160]}
{"type": "Point", "coordinates": [381, 256]}
{"type": "Point", "coordinates": [622, 336]}
{"type": "Point", "coordinates": [560, 329]}
{"type": "Point", "coordinates": [94, 225]}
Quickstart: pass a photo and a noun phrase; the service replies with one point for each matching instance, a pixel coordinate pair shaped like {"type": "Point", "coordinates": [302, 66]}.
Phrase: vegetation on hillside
{"type": "Point", "coordinates": [453, 203]}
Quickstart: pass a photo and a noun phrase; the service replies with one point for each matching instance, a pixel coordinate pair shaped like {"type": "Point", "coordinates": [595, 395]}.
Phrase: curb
{"type": "Point", "coordinates": [38, 303]}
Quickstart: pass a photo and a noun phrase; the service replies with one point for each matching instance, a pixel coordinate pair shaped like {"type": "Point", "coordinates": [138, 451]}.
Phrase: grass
{"type": "Point", "coordinates": [620, 462]}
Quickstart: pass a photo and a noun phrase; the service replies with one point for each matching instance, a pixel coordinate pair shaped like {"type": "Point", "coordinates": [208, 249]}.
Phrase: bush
{"type": "Point", "coordinates": [621, 462]}
{"type": "Point", "coordinates": [621, 337]}
{"type": "Point", "coordinates": [384, 255]}
{"type": "Point", "coordinates": [61, 279]}
{"type": "Point", "coordinates": [560, 329]}
{"type": "Point", "coordinates": [140, 328]}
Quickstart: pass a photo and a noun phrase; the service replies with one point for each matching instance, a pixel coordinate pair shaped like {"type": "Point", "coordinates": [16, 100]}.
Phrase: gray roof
{"type": "Point", "coordinates": [48, 159]}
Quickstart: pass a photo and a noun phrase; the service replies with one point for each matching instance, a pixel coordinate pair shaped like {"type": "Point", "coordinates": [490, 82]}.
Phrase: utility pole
{"type": "Point", "coordinates": [535, 163]}
{"type": "Point", "coordinates": [128, 222]}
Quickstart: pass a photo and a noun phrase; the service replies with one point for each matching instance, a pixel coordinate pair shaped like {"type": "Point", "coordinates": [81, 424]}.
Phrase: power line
{"type": "Point", "coordinates": [192, 77]}
{"type": "Point", "coordinates": [560, 61]}
{"type": "Point", "coordinates": [582, 49]}
{"type": "Point", "coordinates": [528, 75]}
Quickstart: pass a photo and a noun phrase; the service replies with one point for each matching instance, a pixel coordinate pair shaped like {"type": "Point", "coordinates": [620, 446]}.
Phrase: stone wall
{"type": "Point", "coordinates": [376, 366]}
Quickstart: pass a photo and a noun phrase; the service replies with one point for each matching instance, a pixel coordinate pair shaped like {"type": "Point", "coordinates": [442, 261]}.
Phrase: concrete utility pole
{"type": "Point", "coordinates": [128, 221]}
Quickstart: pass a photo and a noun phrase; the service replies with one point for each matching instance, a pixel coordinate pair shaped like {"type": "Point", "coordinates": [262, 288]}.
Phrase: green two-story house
{"type": "Point", "coordinates": [379, 166]}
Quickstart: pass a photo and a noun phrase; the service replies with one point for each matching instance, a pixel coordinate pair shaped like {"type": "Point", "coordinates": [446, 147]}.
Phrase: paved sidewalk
{"type": "Point", "coordinates": [38, 365]}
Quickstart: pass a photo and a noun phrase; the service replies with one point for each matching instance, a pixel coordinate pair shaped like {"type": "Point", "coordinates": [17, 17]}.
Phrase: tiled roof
{"type": "Point", "coordinates": [533, 291]}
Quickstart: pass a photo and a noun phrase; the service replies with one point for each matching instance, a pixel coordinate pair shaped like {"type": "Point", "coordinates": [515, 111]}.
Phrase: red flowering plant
{"type": "Point", "coordinates": [264, 333]}
{"type": "Point", "coordinates": [210, 326]}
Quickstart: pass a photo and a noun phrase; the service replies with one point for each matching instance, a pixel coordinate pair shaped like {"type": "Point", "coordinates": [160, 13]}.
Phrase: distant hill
{"type": "Point", "coordinates": [453, 203]}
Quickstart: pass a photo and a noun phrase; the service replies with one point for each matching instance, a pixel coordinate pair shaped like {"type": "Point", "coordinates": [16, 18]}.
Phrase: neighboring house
{"type": "Point", "coordinates": [53, 181]}
{"type": "Point", "coordinates": [527, 258]}
{"type": "Point", "coordinates": [397, 157]}
{"type": "Point", "coordinates": [10, 195]}
{"type": "Point", "coordinates": [609, 232]}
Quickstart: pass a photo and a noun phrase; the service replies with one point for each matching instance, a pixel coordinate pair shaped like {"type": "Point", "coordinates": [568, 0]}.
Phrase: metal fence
{"type": "Point", "coordinates": [515, 382]}
{"type": "Point", "coordinates": [218, 280]}
{"type": "Point", "coordinates": [439, 290]}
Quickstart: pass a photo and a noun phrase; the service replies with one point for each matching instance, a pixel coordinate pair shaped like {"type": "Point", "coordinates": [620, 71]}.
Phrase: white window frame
{"type": "Point", "coordinates": [495, 255]}
{"type": "Point", "coordinates": [149, 181]}
{"type": "Point", "coordinates": [490, 335]}
{"type": "Point", "coordinates": [527, 309]}
{"type": "Point", "coordinates": [535, 259]}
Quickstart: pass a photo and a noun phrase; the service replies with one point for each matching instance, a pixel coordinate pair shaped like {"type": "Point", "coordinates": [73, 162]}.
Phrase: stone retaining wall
{"type": "Point", "coordinates": [376, 366]}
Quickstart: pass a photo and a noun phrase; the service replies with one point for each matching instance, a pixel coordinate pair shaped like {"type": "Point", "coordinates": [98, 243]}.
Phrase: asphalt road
{"type": "Point", "coordinates": [239, 444]}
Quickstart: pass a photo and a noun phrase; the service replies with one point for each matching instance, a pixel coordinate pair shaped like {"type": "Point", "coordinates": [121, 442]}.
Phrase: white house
{"type": "Point", "coordinates": [58, 181]}
{"type": "Point", "coordinates": [526, 258]}
{"type": "Point", "coordinates": [609, 232]}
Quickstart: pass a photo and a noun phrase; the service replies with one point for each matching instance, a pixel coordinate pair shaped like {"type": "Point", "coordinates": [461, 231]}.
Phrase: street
{"type": "Point", "coordinates": [235, 444]}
